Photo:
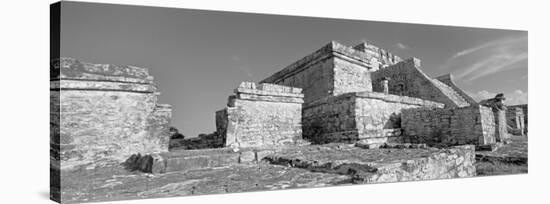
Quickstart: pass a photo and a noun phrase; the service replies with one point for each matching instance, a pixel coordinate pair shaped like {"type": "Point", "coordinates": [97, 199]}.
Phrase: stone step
{"type": "Point", "coordinates": [185, 160]}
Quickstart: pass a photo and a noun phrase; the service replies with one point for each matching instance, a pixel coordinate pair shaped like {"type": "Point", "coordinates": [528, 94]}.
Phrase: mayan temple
{"type": "Point", "coordinates": [340, 115]}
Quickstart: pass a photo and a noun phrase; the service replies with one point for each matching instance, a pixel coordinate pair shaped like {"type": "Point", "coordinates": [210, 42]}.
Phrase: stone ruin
{"type": "Point", "coordinates": [102, 113]}
{"type": "Point", "coordinates": [356, 94]}
{"type": "Point", "coordinates": [360, 95]}
{"type": "Point", "coordinates": [261, 115]}
{"type": "Point", "coordinates": [517, 119]}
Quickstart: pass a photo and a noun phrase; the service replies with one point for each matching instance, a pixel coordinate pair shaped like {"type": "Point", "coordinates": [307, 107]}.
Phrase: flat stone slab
{"type": "Point", "coordinates": [116, 183]}
{"type": "Point", "coordinates": [226, 170]}
{"type": "Point", "coordinates": [381, 165]}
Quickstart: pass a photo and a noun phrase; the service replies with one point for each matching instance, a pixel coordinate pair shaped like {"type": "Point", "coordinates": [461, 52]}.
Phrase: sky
{"type": "Point", "coordinates": [198, 57]}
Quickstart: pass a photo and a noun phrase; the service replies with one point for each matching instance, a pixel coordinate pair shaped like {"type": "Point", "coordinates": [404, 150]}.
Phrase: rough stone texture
{"type": "Point", "coordinates": [449, 126]}
{"type": "Point", "coordinates": [292, 167]}
{"type": "Point", "coordinates": [381, 165]}
{"type": "Point", "coordinates": [358, 116]}
{"type": "Point", "coordinates": [501, 125]}
{"type": "Point", "coordinates": [449, 81]}
{"type": "Point", "coordinates": [334, 69]}
{"type": "Point", "coordinates": [115, 183]}
{"type": "Point", "coordinates": [203, 141]}
{"type": "Point", "coordinates": [525, 115]}
{"type": "Point", "coordinates": [516, 120]}
{"type": "Point", "coordinates": [379, 56]}
{"type": "Point", "coordinates": [515, 151]}
{"type": "Point", "coordinates": [407, 79]}
{"type": "Point", "coordinates": [104, 113]}
{"type": "Point", "coordinates": [261, 115]}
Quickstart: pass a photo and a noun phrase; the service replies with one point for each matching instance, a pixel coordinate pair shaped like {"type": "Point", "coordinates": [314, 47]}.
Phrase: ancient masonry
{"type": "Point", "coordinates": [359, 113]}
{"type": "Point", "coordinates": [103, 113]}
{"type": "Point", "coordinates": [517, 119]}
{"type": "Point", "coordinates": [349, 94]}
{"type": "Point", "coordinates": [366, 94]}
{"type": "Point", "coordinates": [261, 115]}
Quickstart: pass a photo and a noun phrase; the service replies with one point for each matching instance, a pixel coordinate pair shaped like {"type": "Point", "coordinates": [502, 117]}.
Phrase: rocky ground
{"type": "Point", "coordinates": [509, 159]}
{"type": "Point", "coordinates": [306, 167]}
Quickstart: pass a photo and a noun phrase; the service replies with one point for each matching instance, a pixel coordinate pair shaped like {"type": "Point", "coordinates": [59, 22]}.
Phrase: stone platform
{"type": "Point", "coordinates": [515, 151]}
{"type": "Point", "coordinates": [196, 172]}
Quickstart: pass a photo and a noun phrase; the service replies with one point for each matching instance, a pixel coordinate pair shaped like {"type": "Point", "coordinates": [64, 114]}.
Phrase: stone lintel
{"type": "Point", "coordinates": [69, 68]}
{"type": "Point", "coordinates": [101, 86]}
{"type": "Point", "coordinates": [254, 97]}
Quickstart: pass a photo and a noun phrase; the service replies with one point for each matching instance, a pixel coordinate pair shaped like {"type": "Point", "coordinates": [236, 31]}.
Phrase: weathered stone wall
{"type": "Point", "coordinates": [449, 126]}
{"type": "Point", "coordinates": [516, 120]}
{"type": "Point", "coordinates": [203, 141]}
{"type": "Point", "coordinates": [261, 115]}
{"type": "Point", "coordinates": [350, 77]}
{"type": "Point", "coordinates": [380, 58]}
{"type": "Point", "coordinates": [448, 80]}
{"type": "Point", "coordinates": [523, 108]}
{"type": "Point", "coordinates": [407, 79]}
{"type": "Point", "coordinates": [334, 69]}
{"type": "Point", "coordinates": [104, 112]}
{"type": "Point", "coordinates": [357, 116]}
{"type": "Point", "coordinates": [501, 125]}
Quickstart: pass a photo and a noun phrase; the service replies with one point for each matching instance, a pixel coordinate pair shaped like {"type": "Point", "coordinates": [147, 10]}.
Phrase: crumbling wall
{"type": "Point", "coordinates": [516, 120]}
{"type": "Point", "coordinates": [369, 116]}
{"type": "Point", "coordinates": [102, 112]}
{"type": "Point", "coordinates": [449, 126]}
{"type": "Point", "coordinates": [261, 115]}
{"type": "Point", "coordinates": [523, 108]}
{"type": "Point", "coordinates": [407, 79]}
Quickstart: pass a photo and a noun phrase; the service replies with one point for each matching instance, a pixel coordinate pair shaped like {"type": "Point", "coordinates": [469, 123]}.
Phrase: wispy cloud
{"type": "Point", "coordinates": [492, 64]}
{"type": "Point", "coordinates": [489, 44]}
{"type": "Point", "coordinates": [488, 58]}
{"type": "Point", "coordinates": [402, 46]}
{"type": "Point", "coordinates": [512, 98]}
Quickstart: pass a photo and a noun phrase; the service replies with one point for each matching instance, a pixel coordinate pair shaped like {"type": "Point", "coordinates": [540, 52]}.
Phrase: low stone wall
{"type": "Point", "coordinates": [370, 116]}
{"type": "Point", "coordinates": [102, 113]}
{"type": "Point", "coordinates": [381, 165]}
{"type": "Point", "coordinates": [203, 141]}
{"type": "Point", "coordinates": [451, 126]}
{"type": "Point", "coordinates": [261, 115]}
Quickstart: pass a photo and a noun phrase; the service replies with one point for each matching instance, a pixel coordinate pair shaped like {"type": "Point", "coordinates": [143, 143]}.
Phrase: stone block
{"type": "Point", "coordinates": [104, 113]}
{"type": "Point", "coordinates": [261, 115]}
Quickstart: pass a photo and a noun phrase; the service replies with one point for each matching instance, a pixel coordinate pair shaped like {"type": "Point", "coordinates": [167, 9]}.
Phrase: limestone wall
{"type": "Point", "coordinates": [450, 126]}
{"type": "Point", "coordinates": [101, 113]}
{"type": "Point", "coordinates": [407, 79]}
{"type": "Point", "coordinates": [261, 115]}
{"type": "Point", "coordinates": [357, 116]}
{"type": "Point", "coordinates": [349, 77]}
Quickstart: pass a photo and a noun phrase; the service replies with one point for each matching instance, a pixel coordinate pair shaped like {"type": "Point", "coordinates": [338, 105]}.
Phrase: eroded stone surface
{"type": "Point", "coordinates": [102, 112]}
{"type": "Point", "coordinates": [261, 115]}
{"type": "Point", "coordinates": [450, 126]}
{"type": "Point", "coordinates": [292, 167]}
{"type": "Point", "coordinates": [115, 183]}
{"type": "Point", "coordinates": [358, 116]}
{"type": "Point", "coordinates": [382, 165]}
